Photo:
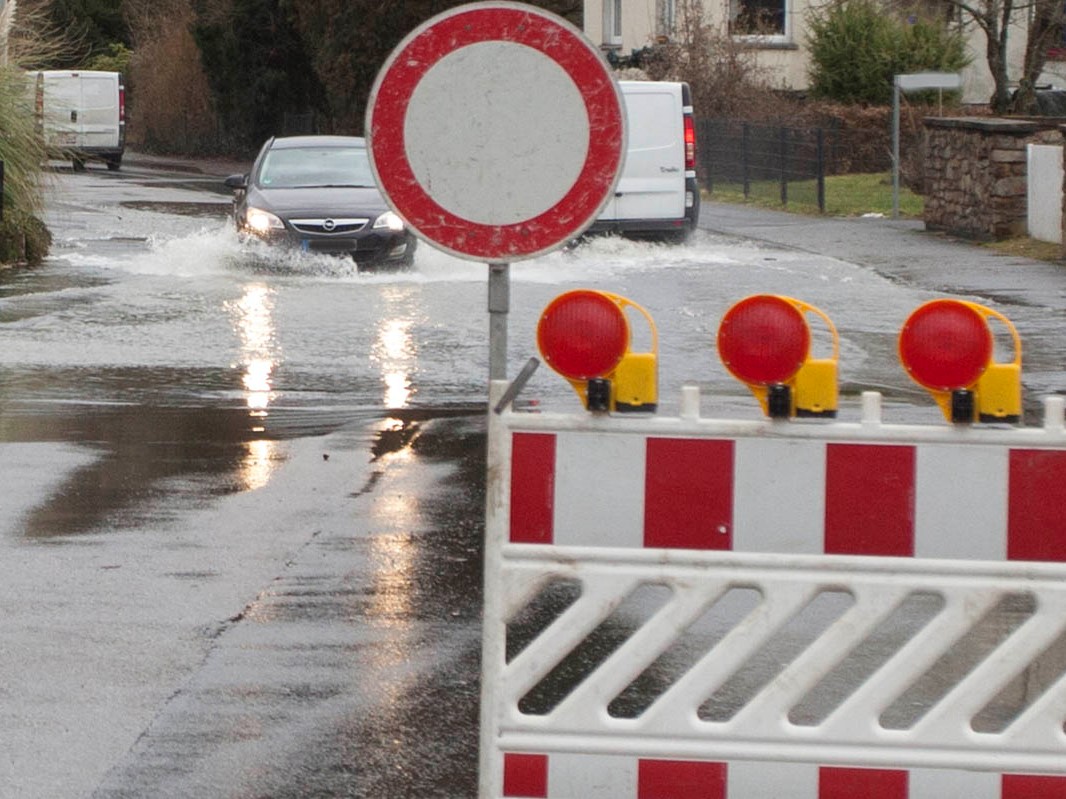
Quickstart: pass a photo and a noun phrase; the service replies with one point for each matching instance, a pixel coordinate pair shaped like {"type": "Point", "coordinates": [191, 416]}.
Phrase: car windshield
{"type": "Point", "coordinates": [315, 167]}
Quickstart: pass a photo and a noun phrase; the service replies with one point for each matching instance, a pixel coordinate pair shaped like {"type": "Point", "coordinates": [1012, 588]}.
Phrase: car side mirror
{"type": "Point", "coordinates": [237, 182]}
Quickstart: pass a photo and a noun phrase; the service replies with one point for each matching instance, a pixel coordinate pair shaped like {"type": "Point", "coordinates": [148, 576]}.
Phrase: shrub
{"type": "Point", "coordinates": [857, 48]}
{"type": "Point", "coordinates": [170, 108]}
{"type": "Point", "coordinates": [116, 59]}
{"type": "Point", "coordinates": [24, 239]}
{"type": "Point", "coordinates": [22, 235]}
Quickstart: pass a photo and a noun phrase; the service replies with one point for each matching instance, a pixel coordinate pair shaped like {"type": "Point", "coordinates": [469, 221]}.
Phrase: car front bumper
{"type": "Point", "coordinates": [375, 246]}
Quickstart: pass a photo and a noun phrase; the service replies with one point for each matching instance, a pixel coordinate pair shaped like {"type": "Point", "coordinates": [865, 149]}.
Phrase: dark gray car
{"type": "Point", "coordinates": [317, 194]}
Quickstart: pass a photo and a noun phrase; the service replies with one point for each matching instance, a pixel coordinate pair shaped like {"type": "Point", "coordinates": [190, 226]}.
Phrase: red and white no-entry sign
{"type": "Point", "coordinates": [496, 131]}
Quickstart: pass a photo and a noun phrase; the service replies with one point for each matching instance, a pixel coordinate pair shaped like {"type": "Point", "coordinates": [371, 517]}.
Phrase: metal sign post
{"type": "Point", "coordinates": [499, 307]}
{"type": "Point", "coordinates": [483, 99]}
{"type": "Point", "coordinates": [918, 81]}
{"type": "Point", "coordinates": [497, 132]}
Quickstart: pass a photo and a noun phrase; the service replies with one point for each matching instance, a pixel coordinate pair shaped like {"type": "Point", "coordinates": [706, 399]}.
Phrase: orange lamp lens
{"type": "Point", "coordinates": [763, 340]}
{"type": "Point", "coordinates": [945, 345]}
{"type": "Point", "coordinates": [583, 334]}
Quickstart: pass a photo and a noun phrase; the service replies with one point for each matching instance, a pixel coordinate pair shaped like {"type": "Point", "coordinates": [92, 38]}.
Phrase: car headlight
{"type": "Point", "coordinates": [390, 221]}
{"type": "Point", "coordinates": [261, 221]}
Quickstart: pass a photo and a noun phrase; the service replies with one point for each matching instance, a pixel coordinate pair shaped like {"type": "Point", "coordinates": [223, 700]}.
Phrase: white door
{"type": "Point", "coordinates": [99, 110]}
{"type": "Point", "coordinates": [62, 98]}
{"type": "Point", "coordinates": [81, 109]}
{"type": "Point", "coordinates": [652, 185]}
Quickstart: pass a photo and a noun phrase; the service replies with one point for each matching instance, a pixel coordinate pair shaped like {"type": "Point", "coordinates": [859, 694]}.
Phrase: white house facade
{"type": "Point", "coordinates": [776, 30]}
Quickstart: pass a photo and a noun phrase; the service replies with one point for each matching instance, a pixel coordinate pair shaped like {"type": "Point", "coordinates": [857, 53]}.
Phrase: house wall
{"type": "Point", "coordinates": [977, 83]}
{"type": "Point", "coordinates": [787, 64]}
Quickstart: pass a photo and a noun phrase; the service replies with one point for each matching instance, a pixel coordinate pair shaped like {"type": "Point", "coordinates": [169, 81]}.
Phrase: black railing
{"type": "Point", "coordinates": [790, 164]}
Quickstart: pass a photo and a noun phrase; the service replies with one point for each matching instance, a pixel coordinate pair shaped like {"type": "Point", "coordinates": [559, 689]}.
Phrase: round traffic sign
{"type": "Point", "coordinates": [496, 131]}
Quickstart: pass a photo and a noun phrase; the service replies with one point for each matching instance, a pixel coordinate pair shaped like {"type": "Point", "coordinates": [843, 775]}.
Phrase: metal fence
{"type": "Point", "coordinates": [782, 163]}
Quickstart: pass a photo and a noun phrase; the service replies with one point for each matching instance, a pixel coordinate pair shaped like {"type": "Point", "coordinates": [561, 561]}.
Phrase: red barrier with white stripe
{"type": "Point", "coordinates": [875, 512]}
{"type": "Point", "coordinates": [533, 776]}
{"type": "Point", "coordinates": [935, 499]}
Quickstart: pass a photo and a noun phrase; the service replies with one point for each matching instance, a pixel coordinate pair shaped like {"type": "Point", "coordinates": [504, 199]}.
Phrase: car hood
{"type": "Point", "coordinates": [319, 201]}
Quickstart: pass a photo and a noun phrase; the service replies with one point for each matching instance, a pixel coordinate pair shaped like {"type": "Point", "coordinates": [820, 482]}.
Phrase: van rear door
{"type": "Point", "coordinates": [60, 104]}
{"type": "Point", "coordinates": [98, 115]}
{"type": "Point", "coordinates": [81, 114]}
{"type": "Point", "coordinates": [652, 185]}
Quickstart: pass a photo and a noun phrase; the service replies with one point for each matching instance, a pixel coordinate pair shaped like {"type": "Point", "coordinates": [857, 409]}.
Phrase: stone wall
{"type": "Point", "coordinates": [975, 174]}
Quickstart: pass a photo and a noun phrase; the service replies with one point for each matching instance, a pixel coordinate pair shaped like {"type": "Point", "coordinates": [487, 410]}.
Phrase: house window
{"type": "Point", "coordinates": [612, 22]}
{"type": "Point", "coordinates": [667, 17]}
{"type": "Point", "coordinates": [1057, 50]}
{"type": "Point", "coordinates": [761, 18]}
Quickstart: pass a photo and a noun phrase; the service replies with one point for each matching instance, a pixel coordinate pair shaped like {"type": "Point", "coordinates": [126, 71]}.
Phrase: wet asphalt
{"type": "Point", "coordinates": [903, 250]}
{"type": "Point", "coordinates": [340, 680]}
{"type": "Point", "coordinates": [354, 670]}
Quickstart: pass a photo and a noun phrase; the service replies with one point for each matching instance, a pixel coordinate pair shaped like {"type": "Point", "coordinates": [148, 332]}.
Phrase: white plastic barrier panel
{"type": "Point", "coordinates": [690, 608]}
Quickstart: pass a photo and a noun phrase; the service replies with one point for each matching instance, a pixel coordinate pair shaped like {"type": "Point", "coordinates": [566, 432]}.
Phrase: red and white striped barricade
{"type": "Point", "coordinates": [766, 608]}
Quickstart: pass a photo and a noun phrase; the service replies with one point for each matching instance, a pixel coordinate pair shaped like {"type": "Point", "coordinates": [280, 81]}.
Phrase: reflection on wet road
{"type": "Point", "coordinates": [356, 670]}
{"type": "Point", "coordinates": [240, 539]}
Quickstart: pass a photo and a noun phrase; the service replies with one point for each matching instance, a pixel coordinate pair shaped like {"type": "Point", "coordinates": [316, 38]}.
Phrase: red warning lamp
{"type": "Point", "coordinates": [947, 347]}
{"type": "Point", "coordinates": [585, 336]}
{"type": "Point", "coordinates": [765, 342]}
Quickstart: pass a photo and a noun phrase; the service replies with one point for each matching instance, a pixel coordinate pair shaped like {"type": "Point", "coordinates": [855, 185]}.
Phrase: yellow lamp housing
{"type": "Point", "coordinates": [585, 336]}
{"type": "Point", "coordinates": [765, 342]}
{"type": "Point", "coordinates": [815, 386]}
{"type": "Point", "coordinates": [947, 346]}
{"type": "Point", "coordinates": [635, 382]}
{"type": "Point", "coordinates": [999, 390]}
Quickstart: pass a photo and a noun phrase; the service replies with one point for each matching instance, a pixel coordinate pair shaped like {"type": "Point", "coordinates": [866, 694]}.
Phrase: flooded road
{"type": "Point", "coordinates": [241, 525]}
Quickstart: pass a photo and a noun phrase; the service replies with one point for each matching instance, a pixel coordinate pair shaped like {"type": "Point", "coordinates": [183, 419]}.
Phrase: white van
{"type": "Point", "coordinates": [81, 114]}
{"type": "Point", "coordinates": [657, 195]}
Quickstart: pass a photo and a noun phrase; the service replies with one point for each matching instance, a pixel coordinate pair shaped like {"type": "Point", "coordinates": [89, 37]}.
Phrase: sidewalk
{"type": "Point", "coordinates": [215, 167]}
{"type": "Point", "coordinates": [900, 249]}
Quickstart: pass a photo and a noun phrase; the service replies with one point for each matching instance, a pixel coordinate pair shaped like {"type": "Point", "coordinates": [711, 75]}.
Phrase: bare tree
{"type": "Point", "coordinates": [724, 74]}
{"type": "Point", "coordinates": [995, 18]}
{"type": "Point", "coordinates": [1045, 31]}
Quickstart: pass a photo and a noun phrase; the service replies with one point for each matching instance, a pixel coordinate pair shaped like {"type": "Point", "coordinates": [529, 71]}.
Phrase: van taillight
{"type": "Point", "coordinates": [690, 142]}
{"type": "Point", "coordinates": [121, 103]}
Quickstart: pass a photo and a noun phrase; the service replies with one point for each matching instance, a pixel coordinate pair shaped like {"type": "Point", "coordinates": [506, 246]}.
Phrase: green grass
{"type": "Point", "coordinates": [855, 195]}
{"type": "Point", "coordinates": [845, 195]}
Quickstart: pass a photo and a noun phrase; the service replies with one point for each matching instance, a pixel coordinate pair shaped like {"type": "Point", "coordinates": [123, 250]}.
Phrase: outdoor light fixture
{"type": "Point", "coordinates": [947, 347]}
{"type": "Point", "coordinates": [585, 336]}
{"type": "Point", "coordinates": [765, 342]}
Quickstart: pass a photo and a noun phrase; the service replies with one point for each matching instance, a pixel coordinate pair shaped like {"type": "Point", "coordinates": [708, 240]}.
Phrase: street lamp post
{"type": "Point", "coordinates": [918, 81]}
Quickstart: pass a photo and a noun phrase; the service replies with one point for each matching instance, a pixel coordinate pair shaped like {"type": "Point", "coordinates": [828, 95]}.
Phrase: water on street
{"type": "Point", "coordinates": [241, 520]}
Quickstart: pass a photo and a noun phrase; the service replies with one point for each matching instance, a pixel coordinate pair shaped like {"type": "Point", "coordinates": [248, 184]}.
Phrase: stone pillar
{"type": "Point", "coordinates": [975, 174]}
